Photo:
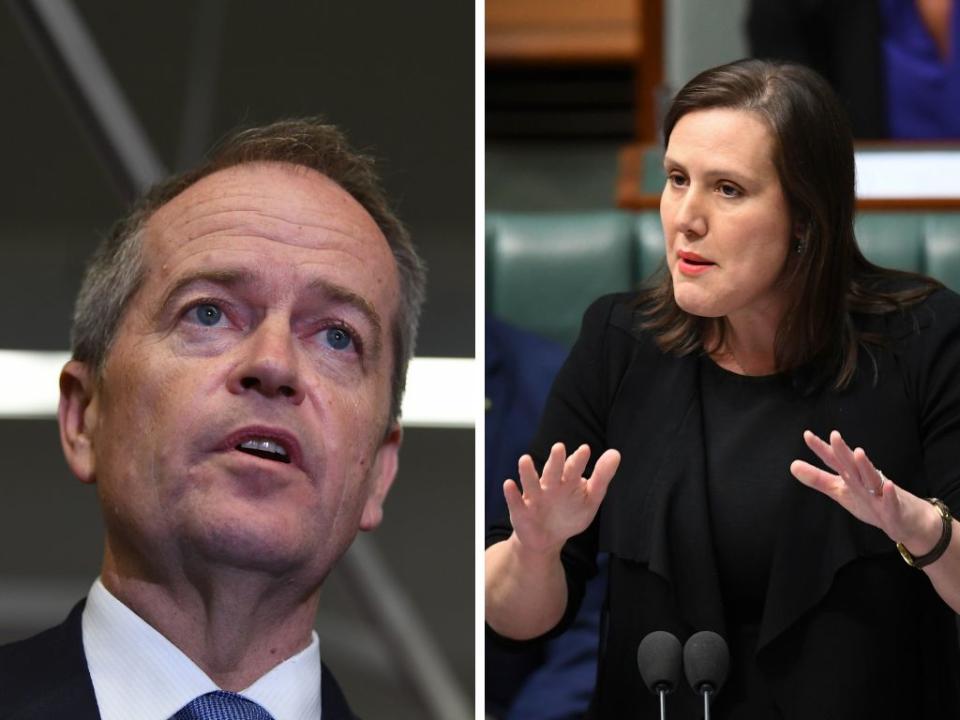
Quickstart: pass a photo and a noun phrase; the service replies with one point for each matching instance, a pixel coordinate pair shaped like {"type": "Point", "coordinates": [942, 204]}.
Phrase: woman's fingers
{"type": "Point", "coordinates": [557, 470]}
{"type": "Point", "coordinates": [513, 496]}
{"type": "Point", "coordinates": [860, 488]}
{"type": "Point", "coordinates": [576, 464]}
{"type": "Point", "coordinates": [529, 479]}
{"type": "Point", "coordinates": [548, 508]}
{"type": "Point", "coordinates": [860, 472]}
{"type": "Point", "coordinates": [846, 466]}
{"type": "Point", "coordinates": [603, 472]}
{"type": "Point", "coordinates": [853, 466]}
{"type": "Point", "coordinates": [872, 478]}
{"type": "Point", "coordinates": [813, 477]}
{"type": "Point", "coordinates": [821, 449]}
{"type": "Point", "coordinates": [553, 467]}
{"type": "Point", "coordinates": [560, 471]}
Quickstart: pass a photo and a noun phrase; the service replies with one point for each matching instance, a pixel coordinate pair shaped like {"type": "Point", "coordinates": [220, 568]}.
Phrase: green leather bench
{"type": "Point", "coordinates": [544, 269]}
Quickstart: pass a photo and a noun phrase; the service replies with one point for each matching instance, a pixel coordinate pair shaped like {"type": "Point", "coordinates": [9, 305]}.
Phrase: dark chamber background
{"type": "Point", "coordinates": [398, 77]}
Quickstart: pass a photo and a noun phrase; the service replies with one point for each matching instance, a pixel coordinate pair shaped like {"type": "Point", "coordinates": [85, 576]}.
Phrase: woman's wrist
{"type": "Point", "coordinates": [924, 528]}
{"type": "Point", "coordinates": [546, 554]}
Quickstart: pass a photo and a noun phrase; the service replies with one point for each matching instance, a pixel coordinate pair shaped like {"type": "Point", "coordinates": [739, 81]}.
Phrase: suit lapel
{"type": "Point", "coordinates": [332, 701]}
{"type": "Point", "coordinates": [46, 676]}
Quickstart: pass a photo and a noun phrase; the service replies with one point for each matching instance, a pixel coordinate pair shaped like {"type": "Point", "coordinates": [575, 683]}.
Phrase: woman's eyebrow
{"type": "Point", "coordinates": [711, 174]}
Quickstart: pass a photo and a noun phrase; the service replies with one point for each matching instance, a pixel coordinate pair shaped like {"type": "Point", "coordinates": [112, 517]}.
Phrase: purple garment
{"type": "Point", "coordinates": [923, 91]}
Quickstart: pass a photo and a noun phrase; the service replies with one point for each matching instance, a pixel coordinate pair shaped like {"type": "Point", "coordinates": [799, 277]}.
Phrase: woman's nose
{"type": "Point", "coordinates": [690, 217]}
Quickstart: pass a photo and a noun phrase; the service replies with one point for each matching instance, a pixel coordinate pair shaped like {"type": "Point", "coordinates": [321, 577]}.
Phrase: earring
{"type": "Point", "coordinates": [799, 247]}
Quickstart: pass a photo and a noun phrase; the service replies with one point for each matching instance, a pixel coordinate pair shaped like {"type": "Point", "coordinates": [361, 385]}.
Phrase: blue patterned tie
{"type": "Point", "coordinates": [221, 705]}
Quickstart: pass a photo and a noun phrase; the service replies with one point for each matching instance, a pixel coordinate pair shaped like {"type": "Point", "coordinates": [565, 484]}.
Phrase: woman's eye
{"type": "Point", "coordinates": [728, 190]}
{"type": "Point", "coordinates": [207, 314]}
{"type": "Point", "coordinates": [338, 338]}
{"type": "Point", "coordinates": [676, 179]}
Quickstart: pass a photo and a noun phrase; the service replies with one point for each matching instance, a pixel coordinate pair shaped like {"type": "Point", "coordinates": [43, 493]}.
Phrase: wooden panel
{"type": "Point", "coordinates": [649, 75]}
{"type": "Point", "coordinates": [568, 31]}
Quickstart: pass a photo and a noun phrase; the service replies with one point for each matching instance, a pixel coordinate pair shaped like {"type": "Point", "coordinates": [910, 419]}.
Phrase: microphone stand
{"type": "Point", "coordinates": [707, 690]}
{"type": "Point", "coordinates": [663, 703]}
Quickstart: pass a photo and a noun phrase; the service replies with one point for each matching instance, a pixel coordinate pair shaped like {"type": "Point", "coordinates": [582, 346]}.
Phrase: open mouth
{"type": "Point", "coordinates": [692, 258]}
{"type": "Point", "coordinates": [265, 448]}
{"type": "Point", "coordinates": [691, 264]}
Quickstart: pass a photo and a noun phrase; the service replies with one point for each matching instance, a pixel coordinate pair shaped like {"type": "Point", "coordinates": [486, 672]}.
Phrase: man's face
{"type": "Point", "coordinates": [242, 415]}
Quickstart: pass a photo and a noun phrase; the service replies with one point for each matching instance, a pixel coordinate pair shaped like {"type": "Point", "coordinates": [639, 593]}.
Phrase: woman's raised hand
{"type": "Point", "coordinates": [559, 503]}
{"type": "Point", "coordinates": [866, 493]}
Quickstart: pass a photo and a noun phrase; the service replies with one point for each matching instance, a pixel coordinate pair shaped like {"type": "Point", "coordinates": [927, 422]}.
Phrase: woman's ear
{"type": "Point", "coordinates": [77, 415]}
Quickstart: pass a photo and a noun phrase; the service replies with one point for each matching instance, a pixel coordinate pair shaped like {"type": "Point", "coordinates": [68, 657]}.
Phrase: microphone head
{"type": "Point", "coordinates": [659, 660]}
{"type": "Point", "coordinates": [706, 661]}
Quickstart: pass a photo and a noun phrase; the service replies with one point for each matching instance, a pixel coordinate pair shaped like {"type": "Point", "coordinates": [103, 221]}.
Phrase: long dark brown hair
{"type": "Point", "coordinates": [830, 278]}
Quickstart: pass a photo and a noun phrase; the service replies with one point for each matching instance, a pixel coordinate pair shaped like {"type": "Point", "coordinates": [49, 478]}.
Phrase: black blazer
{"type": "Point", "coordinates": [45, 677]}
{"type": "Point", "coordinates": [848, 629]}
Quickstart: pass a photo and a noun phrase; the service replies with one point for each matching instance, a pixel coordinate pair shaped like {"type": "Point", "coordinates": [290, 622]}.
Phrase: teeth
{"type": "Point", "coordinates": [264, 446]}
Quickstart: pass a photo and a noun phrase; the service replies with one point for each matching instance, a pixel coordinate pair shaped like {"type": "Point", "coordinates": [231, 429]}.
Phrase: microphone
{"type": "Point", "coordinates": [706, 661]}
{"type": "Point", "coordinates": [658, 658]}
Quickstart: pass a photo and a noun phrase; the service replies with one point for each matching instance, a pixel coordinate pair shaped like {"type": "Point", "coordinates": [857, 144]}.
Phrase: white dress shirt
{"type": "Point", "coordinates": [138, 673]}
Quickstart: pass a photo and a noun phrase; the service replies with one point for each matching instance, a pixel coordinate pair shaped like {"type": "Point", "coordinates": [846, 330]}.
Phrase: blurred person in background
{"type": "Point", "coordinates": [552, 679]}
{"type": "Point", "coordinates": [892, 62]}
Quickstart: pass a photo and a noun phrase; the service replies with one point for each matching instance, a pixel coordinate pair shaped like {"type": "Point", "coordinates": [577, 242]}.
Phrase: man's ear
{"type": "Point", "coordinates": [78, 417]}
{"type": "Point", "coordinates": [381, 478]}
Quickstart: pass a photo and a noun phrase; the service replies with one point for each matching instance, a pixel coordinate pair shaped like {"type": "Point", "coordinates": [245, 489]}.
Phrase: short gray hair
{"type": "Point", "coordinates": [116, 270]}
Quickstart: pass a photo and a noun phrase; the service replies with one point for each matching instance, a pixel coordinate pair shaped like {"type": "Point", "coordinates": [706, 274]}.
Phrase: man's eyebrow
{"type": "Point", "coordinates": [223, 278]}
{"type": "Point", "coordinates": [233, 278]}
{"type": "Point", "coordinates": [341, 295]}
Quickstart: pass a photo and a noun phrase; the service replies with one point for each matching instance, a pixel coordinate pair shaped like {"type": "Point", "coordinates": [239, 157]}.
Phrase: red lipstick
{"type": "Point", "coordinates": [690, 263]}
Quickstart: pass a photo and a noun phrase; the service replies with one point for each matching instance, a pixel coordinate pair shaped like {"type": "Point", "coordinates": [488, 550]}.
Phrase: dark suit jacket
{"type": "Point", "coordinates": [45, 677]}
{"type": "Point", "coordinates": [848, 629]}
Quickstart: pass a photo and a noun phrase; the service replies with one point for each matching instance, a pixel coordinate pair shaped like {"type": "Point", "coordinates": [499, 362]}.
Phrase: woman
{"type": "Point", "coordinates": [768, 338]}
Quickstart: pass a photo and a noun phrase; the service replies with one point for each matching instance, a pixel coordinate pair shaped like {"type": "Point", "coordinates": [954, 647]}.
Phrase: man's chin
{"type": "Point", "coordinates": [267, 544]}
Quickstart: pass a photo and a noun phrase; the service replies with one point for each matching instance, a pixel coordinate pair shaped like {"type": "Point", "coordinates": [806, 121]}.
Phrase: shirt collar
{"type": "Point", "coordinates": [137, 672]}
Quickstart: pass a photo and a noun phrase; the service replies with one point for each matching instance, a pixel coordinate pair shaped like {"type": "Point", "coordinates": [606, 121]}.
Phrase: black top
{"type": "Point", "coordinates": [750, 425]}
{"type": "Point", "coordinates": [847, 629]}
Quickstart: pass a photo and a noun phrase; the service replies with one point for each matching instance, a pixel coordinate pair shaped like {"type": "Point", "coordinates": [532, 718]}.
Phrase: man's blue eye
{"type": "Point", "coordinates": [208, 314]}
{"type": "Point", "coordinates": [338, 338]}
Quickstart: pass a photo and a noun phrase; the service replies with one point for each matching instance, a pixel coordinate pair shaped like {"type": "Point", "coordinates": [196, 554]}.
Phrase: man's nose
{"type": "Point", "coordinates": [269, 364]}
{"type": "Point", "coordinates": [690, 216]}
